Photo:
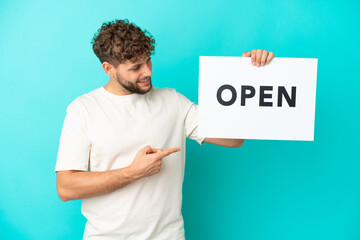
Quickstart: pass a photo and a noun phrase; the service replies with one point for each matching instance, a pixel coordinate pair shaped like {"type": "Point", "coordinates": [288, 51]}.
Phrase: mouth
{"type": "Point", "coordinates": [145, 82]}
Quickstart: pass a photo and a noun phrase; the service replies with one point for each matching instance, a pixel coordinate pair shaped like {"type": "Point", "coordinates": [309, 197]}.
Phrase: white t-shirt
{"type": "Point", "coordinates": [104, 131]}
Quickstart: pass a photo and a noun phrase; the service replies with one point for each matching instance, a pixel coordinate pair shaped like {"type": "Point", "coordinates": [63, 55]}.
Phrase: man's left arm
{"type": "Point", "coordinates": [225, 142]}
{"type": "Point", "coordinates": [259, 58]}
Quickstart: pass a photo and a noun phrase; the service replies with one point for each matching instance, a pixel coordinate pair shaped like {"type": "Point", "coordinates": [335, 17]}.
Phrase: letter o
{"type": "Point", "coordinates": [233, 92]}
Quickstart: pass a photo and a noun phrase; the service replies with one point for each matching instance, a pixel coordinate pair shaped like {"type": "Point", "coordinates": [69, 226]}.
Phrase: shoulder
{"type": "Point", "coordinates": [172, 96]}
{"type": "Point", "coordinates": [84, 101]}
{"type": "Point", "coordinates": [163, 91]}
{"type": "Point", "coordinates": [168, 93]}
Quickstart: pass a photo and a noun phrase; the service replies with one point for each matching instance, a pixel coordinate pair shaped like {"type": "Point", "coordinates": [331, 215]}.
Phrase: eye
{"type": "Point", "coordinates": [136, 68]}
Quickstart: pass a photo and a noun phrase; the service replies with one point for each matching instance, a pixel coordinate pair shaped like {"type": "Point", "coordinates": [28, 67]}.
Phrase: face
{"type": "Point", "coordinates": [135, 77]}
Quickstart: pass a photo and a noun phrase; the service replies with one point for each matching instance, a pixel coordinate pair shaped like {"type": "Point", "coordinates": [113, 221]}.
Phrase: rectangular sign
{"type": "Point", "coordinates": [239, 100]}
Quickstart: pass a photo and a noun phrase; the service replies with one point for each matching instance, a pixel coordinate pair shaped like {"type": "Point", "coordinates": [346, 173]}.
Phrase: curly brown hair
{"type": "Point", "coordinates": [117, 41]}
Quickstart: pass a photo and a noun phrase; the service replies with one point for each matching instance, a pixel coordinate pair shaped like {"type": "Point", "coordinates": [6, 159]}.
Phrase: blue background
{"type": "Point", "coordinates": [263, 190]}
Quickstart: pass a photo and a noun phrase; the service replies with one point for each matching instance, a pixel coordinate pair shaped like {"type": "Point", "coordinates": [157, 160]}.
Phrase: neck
{"type": "Point", "coordinates": [115, 88]}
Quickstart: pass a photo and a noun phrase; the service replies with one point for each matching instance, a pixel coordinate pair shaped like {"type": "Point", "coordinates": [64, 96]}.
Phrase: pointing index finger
{"type": "Point", "coordinates": [168, 152]}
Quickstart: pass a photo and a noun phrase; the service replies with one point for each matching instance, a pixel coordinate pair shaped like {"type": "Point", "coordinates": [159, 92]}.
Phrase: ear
{"type": "Point", "coordinates": [108, 68]}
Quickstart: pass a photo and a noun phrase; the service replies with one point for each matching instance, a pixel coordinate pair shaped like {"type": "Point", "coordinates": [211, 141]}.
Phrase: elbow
{"type": "Point", "coordinates": [238, 143]}
{"type": "Point", "coordinates": [62, 198]}
{"type": "Point", "coordinates": [62, 195]}
{"type": "Point", "coordinates": [63, 192]}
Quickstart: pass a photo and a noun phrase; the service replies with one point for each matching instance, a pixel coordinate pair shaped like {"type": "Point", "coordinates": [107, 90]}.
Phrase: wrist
{"type": "Point", "coordinates": [130, 174]}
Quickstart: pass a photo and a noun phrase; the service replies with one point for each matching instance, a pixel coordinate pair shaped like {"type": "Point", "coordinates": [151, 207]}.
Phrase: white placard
{"type": "Point", "coordinates": [239, 100]}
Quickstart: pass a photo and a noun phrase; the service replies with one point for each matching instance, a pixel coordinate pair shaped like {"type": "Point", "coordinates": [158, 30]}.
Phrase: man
{"type": "Point", "coordinates": [122, 146]}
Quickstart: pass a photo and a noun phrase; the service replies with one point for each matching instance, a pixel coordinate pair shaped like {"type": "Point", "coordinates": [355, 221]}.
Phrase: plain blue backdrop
{"type": "Point", "coordinates": [265, 190]}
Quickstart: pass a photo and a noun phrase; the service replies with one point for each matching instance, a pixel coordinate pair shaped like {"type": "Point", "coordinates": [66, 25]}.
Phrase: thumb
{"type": "Point", "coordinates": [246, 54]}
{"type": "Point", "coordinates": [156, 150]}
{"type": "Point", "coordinates": [146, 149]}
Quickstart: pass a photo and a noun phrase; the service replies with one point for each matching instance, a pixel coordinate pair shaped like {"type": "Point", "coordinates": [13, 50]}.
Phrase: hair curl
{"type": "Point", "coordinates": [118, 41]}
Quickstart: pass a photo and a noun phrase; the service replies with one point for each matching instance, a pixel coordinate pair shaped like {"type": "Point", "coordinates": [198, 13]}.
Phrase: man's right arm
{"type": "Point", "coordinates": [74, 184]}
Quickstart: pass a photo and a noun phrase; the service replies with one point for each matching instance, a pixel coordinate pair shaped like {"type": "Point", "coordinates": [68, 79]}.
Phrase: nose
{"type": "Point", "coordinates": [148, 71]}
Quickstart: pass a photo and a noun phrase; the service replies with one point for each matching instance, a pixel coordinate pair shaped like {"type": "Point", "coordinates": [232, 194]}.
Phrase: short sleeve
{"type": "Point", "coordinates": [74, 147]}
{"type": "Point", "coordinates": [191, 111]}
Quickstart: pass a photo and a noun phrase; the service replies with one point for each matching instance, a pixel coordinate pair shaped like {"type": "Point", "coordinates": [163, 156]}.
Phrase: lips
{"type": "Point", "coordinates": [144, 82]}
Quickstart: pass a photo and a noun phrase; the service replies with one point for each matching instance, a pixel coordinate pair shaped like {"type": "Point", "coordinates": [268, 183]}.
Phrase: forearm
{"type": "Point", "coordinates": [225, 142]}
{"type": "Point", "coordinates": [72, 185]}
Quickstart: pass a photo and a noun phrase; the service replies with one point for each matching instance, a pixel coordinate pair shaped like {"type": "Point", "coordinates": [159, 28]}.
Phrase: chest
{"type": "Point", "coordinates": [123, 129]}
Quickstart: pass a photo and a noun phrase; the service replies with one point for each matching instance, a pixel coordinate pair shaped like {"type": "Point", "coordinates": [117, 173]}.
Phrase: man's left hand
{"type": "Point", "coordinates": [259, 57]}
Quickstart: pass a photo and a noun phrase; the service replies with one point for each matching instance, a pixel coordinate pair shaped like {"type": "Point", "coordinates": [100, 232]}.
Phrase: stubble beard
{"type": "Point", "coordinates": [134, 87]}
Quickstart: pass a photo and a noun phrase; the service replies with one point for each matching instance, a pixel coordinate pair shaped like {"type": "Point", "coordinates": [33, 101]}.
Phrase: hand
{"type": "Point", "coordinates": [148, 161]}
{"type": "Point", "coordinates": [259, 57]}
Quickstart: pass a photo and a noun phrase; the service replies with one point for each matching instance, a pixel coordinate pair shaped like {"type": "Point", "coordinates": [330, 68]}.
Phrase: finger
{"type": "Point", "coordinates": [146, 149]}
{"type": "Point", "coordinates": [263, 57]}
{"type": "Point", "coordinates": [168, 152]}
{"type": "Point", "coordinates": [270, 57]}
{"type": "Point", "coordinates": [253, 57]}
{"type": "Point", "coordinates": [246, 54]}
{"type": "Point", "coordinates": [258, 57]}
{"type": "Point", "coordinates": [156, 150]}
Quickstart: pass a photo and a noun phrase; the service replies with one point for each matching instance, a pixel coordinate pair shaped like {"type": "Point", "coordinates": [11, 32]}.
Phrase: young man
{"type": "Point", "coordinates": [122, 146]}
